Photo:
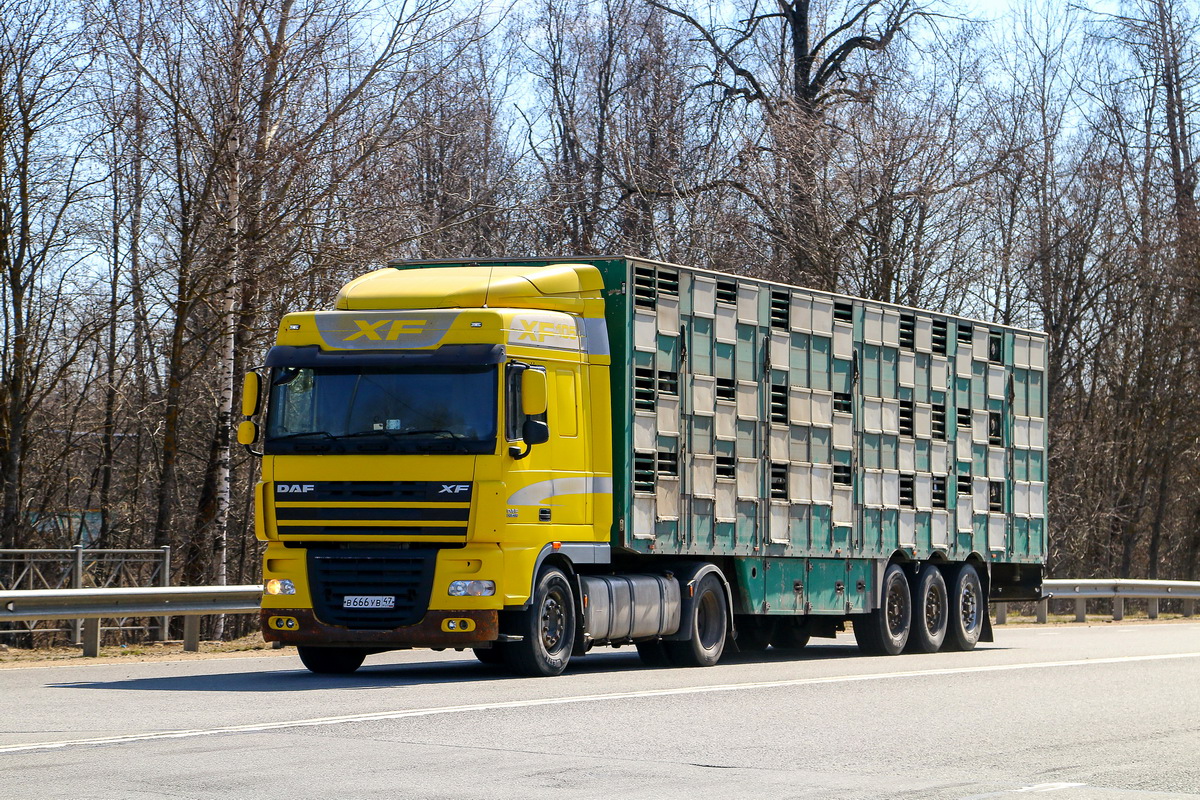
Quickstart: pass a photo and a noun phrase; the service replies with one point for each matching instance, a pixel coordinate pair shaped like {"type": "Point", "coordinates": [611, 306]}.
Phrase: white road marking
{"type": "Point", "coordinates": [554, 701]}
{"type": "Point", "coordinates": [1049, 787]}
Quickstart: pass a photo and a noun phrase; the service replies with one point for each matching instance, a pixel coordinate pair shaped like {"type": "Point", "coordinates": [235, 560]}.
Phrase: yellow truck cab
{"type": "Point", "coordinates": [531, 458]}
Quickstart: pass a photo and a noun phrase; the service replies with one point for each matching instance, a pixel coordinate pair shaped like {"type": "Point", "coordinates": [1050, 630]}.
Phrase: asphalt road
{"type": "Point", "coordinates": [1106, 711]}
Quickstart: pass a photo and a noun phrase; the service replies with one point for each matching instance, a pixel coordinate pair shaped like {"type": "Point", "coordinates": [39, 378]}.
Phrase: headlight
{"type": "Point", "coordinates": [472, 588]}
{"type": "Point", "coordinates": [277, 586]}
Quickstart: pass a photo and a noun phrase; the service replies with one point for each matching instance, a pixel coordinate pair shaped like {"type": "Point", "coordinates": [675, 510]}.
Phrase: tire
{"type": "Point", "coordinates": [790, 634]}
{"type": "Point", "coordinates": [967, 608]}
{"type": "Point", "coordinates": [547, 628]}
{"type": "Point", "coordinates": [754, 633]}
{"type": "Point", "coordinates": [492, 656]}
{"type": "Point", "coordinates": [654, 653]}
{"type": "Point", "coordinates": [931, 614]}
{"type": "Point", "coordinates": [885, 631]}
{"type": "Point", "coordinates": [331, 660]}
{"type": "Point", "coordinates": [708, 624]}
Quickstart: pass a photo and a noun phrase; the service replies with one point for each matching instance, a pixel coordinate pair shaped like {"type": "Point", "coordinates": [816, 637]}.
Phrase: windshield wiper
{"type": "Point", "coordinates": [396, 434]}
{"type": "Point", "coordinates": [325, 434]}
{"type": "Point", "coordinates": [436, 435]}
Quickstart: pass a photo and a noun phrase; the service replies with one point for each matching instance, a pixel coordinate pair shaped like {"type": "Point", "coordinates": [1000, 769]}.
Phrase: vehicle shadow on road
{"type": "Point", "coordinates": [420, 673]}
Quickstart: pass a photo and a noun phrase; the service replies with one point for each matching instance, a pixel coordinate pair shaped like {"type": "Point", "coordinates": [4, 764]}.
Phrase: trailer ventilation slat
{"type": "Point", "coordinates": [780, 310]}
{"type": "Point", "coordinates": [643, 389]}
{"type": "Point", "coordinates": [995, 428]}
{"type": "Point", "coordinates": [938, 327]}
{"type": "Point", "coordinates": [726, 467]}
{"type": "Point", "coordinates": [841, 474]}
{"type": "Point", "coordinates": [908, 332]}
{"type": "Point", "coordinates": [668, 283]}
{"type": "Point", "coordinates": [939, 421]}
{"type": "Point", "coordinates": [727, 293]}
{"type": "Point", "coordinates": [726, 389]}
{"type": "Point", "coordinates": [668, 464]}
{"type": "Point", "coordinates": [843, 403]}
{"type": "Point", "coordinates": [996, 496]}
{"type": "Point", "coordinates": [908, 492]}
{"type": "Point", "coordinates": [779, 481]}
{"type": "Point", "coordinates": [964, 418]}
{"type": "Point", "coordinates": [644, 294]}
{"type": "Point", "coordinates": [843, 312]}
{"type": "Point", "coordinates": [906, 417]}
{"type": "Point", "coordinates": [966, 332]}
{"type": "Point", "coordinates": [996, 347]}
{"type": "Point", "coordinates": [779, 404]}
{"type": "Point", "coordinates": [938, 490]}
{"type": "Point", "coordinates": [643, 472]}
{"type": "Point", "coordinates": [668, 383]}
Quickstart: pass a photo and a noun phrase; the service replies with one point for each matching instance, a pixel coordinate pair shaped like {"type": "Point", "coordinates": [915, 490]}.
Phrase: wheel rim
{"type": "Point", "coordinates": [969, 604]}
{"type": "Point", "coordinates": [935, 609]}
{"type": "Point", "coordinates": [708, 623]}
{"type": "Point", "coordinates": [896, 606]}
{"type": "Point", "coordinates": [554, 621]}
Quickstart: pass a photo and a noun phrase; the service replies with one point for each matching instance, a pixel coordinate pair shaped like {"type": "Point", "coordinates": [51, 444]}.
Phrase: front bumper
{"type": "Point", "coordinates": [436, 629]}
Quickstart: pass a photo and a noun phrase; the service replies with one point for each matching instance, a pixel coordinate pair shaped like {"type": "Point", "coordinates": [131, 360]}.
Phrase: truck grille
{"type": "Point", "coordinates": [374, 508]}
{"type": "Point", "coordinates": [406, 575]}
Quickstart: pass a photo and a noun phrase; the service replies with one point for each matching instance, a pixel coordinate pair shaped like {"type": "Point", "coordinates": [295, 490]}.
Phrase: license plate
{"type": "Point", "coordinates": [368, 601]}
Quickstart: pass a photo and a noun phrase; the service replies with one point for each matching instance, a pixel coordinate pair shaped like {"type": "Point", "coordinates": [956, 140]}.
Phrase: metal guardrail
{"type": "Point", "coordinates": [1117, 590]}
{"type": "Point", "coordinates": [192, 602]}
{"type": "Point", "coordinates": [92, 605]}
{"type": "Point", "coordinates": [78, 566]}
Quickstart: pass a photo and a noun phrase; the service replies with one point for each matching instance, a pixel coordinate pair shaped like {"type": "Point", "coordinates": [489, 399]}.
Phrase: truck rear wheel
{"type": "Point", "coordinates": [967, 607]}
{"type": "Point", "coordinates": [331, 660]}
{"type": "Point", "coordinates": [885, 631]}
{"type": "Point", "coordinates": [708, 623]}
{"type": "Point", "coordinates": [930, 611]}
{"type": "Point", "coordinates": [547, 628]}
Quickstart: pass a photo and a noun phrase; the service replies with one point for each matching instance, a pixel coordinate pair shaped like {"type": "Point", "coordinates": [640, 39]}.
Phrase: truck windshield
{"type": "Point", "coordinates": [352, 410]}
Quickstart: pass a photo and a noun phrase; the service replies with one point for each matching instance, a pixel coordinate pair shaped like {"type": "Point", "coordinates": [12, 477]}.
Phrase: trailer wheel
{"type": "Point", "coordinates": [547, 628]}
{"type": "Point", "coordinates": [492, 656]}
{"type": "Point", "coordinates": [930, 604]}
{"type": "Point", "coordinates": [885, 631]}
{"type": "Point", "coordinates": [653, 653]}
{"type": "Point", "coordinates": [708, 624]}
{"type": "Point", "coordinates": [331, 660]}
{"type": "Point", "coordinates": [967, 607]}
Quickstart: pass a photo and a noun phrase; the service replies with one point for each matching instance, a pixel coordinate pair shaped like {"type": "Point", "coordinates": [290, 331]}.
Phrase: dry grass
{"type": "Point", "coordinates": [11, 657]}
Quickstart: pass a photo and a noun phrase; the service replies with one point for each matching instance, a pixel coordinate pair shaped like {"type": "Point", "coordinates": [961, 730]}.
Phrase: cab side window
{"type": "Point", "coordinates": [514, 417]}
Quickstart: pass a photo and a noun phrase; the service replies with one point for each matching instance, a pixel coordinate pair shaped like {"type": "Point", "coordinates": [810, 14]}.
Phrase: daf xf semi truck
{"type": "Point", "coordinates": [531, 458]}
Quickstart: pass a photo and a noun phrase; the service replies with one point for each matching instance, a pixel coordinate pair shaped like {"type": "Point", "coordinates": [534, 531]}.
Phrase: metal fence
{"type": "Point", "coordinates": [92, 605]}
{"type": "Point", "coordinates": [1117, 590]}
{"type": "Point", "coordinates": [88, 605]}
{"type": "Point", "coordinates": [79, 567]}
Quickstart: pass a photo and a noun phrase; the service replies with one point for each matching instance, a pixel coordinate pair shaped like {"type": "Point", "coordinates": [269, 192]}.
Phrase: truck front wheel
{"type": "Point", "coordinates": [331, 660]}
{"type": "Point", "coordinates": [708, 624]}
{"type": "Point", "coordinates": [546, 628]}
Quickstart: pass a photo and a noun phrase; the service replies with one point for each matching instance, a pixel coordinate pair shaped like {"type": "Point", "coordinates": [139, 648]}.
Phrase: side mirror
{"type": "Point", "coordinates": [534, 393]}
{"type": "Point", "coordinates": [535, 431]}
{"type": "Point", "coordinates": [251, 391]}
{"type": "Point", "coordinates": [247, 433]}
